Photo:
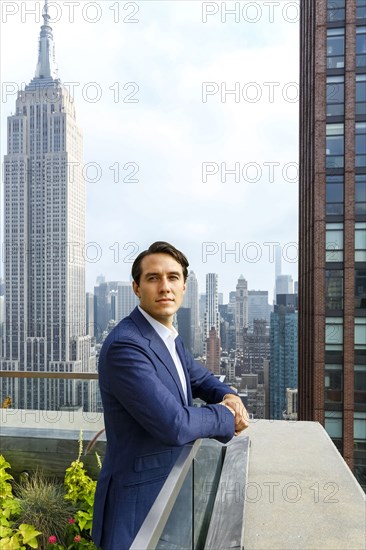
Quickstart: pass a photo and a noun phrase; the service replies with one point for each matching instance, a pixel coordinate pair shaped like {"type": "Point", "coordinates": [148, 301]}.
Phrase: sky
{"type": "Point", "coordinates": [189, 112]}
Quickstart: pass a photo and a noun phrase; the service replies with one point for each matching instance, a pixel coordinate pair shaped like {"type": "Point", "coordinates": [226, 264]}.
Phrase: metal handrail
{"type": "Point", "coordinates": [47, 374]}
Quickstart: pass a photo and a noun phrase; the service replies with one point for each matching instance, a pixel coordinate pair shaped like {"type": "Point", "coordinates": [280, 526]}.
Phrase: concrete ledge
{"type": "Point", "coordinates": [31, 439]}
{"type": "Point", "coordinates": [300, 492]}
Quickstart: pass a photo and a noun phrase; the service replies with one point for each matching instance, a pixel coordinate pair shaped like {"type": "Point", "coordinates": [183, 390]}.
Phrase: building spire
{"type": "Point", "coordinates": [45, 14]}
{"type": "Point", "coordinates": [46, 66]}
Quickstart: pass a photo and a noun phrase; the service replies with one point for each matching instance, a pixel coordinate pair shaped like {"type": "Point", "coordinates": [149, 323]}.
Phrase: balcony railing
{"type": "Point", "coordinates": [296, 490]}
{"type": "Point", "coordinates": [199, 506]}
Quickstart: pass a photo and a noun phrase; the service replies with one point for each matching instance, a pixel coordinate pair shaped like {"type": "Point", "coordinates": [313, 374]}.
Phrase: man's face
{"type": "Point", "coordinates": [161, 287]}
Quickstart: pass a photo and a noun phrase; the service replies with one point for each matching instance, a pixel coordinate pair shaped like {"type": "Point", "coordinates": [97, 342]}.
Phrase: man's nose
{"type": "Point", "coordinates": [164, 285]}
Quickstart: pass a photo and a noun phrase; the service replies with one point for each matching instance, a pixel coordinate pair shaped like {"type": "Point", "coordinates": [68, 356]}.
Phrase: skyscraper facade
{"type": "Point", "coordinates": [89, 314]}
{"type": "Point", "coordinates": [332, 284]}
{"type": "Point", "coordinates": [44, 233]}
{"type": "Point", "coordinates": [283, 372]}
{"type": "Point", "coordinates": [184, 326]}
{"type": "Point", "coordinates": [213, 353]}
{"type": "Point", "coordinates": [241, 310]}
{"type": "Point", "coordinates": [278, 260]}
{"type": "Point", "coordinates": [126, 300]}
{"type": "Point", "coordinates": [190, 301]}
{"type": "Point", "coordinates": [284, 284]}
{"type": "Point", "coordinates": [256, 348]}
{"type": "Point", "coordinates": [258, 306]}
{"type": "Point", "coordinates": [102, 309]}
{"type": "Point", "coordinates": [212, 315]}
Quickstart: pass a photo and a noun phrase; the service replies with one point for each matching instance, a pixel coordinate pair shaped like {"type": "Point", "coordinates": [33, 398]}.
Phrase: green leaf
{"type": "Point", "coordinates": [4, 543]}
{"type": "Point", "coordinates": [5, 531]}
{"type": "Point", "coordinates": [11, 543]}
{"type": "Point", "coordinates": [4, 522]}
{"type": "Point", "coordinates": [3, 463]}
{"type": "Point", "coordinates": [10, 507]}
{"type": "Point", "coordinates": [29, 534]}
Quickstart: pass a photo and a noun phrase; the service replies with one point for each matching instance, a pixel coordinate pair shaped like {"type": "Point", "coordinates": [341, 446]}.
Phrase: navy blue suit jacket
{"type": "Point", "coordinates": [147, 421]}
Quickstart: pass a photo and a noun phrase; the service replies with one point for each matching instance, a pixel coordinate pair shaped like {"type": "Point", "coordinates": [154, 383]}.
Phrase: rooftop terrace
{"type": "Point", "coordinates": [296, 493]}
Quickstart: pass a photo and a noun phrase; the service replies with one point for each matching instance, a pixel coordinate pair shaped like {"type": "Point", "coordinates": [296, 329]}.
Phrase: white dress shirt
{"type": "Point", "coordinates": [168, 336]}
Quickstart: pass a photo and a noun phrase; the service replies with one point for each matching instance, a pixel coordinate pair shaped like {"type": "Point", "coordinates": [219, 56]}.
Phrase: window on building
{"type": "Point", "coordinates": [334, 333]}
{"type": "Point", "coordinates": [361, 9]}
{"type": "Point", "coordinates": [361, 94]}
{"type": "Point", "coordinates": [335, 48]}
{"type": "Point", "coordinates": [359, 426]}
{"type": "Point", "coordinates": [335, 145]}
{"type": "Point", "coordinates": [335, 10]}
{"type": "Point", "coordinates": [360, 152]}
{"type": "Point", "coordinates": [333, 289]}
{"type": "Point", "coordinates": [360, 288]}
{"type": "Point", "coordinates": [360, 242]}
{"type": "Point", "coordinates": [334, 242]}
{"type": "Point", "coordinates": [359, 461]}
{"type": "Point", "coordinates": [360, 388]}
{"type": "Point", "coordinates": [335, 96]}
{"type": "Point", "coordinates": [334, 195]}
{"type": "Point", "coordinates": [333, 423]}
{"type": "Point", "coordinates": [333, 384]}
{"type": "Point", "coordinates": [360, 333]}
{"type": "Point", "coordinates": [360, 194]}
{"type": "Point", "coordinates": [360, 46]}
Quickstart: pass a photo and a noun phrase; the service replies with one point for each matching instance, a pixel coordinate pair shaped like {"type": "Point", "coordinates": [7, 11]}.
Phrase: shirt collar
{"type": "Point", "coordinates": [163, 331]}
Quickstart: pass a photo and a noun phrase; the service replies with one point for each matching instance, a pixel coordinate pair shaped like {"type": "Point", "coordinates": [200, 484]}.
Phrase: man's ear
{"type": "Point", "coordinates": [135, 287]}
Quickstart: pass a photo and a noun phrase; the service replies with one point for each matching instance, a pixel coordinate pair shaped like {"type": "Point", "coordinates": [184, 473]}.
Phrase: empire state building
{"type": "Point", "coordinates": [44, 238]}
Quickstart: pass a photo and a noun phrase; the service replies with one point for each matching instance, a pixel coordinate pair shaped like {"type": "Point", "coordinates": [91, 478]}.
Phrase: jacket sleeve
{"type": "Point", "coordinates": [130, 375]}
{"type": "Point", "coordinates": [204, 384]}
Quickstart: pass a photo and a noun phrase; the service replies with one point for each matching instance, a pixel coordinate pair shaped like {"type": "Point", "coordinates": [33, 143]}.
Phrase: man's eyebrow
{"type": "Point", "coordinates": [153, 273]}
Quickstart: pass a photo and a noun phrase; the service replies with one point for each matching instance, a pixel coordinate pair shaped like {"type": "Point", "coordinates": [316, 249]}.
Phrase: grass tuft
{"type": "Point", "coordinates": [42, 504]}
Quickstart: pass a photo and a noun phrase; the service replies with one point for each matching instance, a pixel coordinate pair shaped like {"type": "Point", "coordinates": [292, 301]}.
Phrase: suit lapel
{"type": "Point", "coordinates": [159, 348]}
{"type": "Point", "coordinates": [180, 349]}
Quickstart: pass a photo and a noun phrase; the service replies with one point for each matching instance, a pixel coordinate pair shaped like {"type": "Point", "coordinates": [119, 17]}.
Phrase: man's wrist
{"type": "Point", "coordinates": [228, 407]}
{"type": "Point", "coordinates": [230, 396]}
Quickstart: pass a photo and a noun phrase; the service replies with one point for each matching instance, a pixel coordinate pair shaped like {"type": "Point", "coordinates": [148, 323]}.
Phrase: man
{"type": "Point", "coordinates": [147, 382]}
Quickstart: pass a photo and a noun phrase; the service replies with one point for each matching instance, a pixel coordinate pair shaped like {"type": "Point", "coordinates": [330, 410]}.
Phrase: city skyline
{"type": "Point", "coordinates": [45, 299]}
{"type": "Point", "coordinates": [192, 130]}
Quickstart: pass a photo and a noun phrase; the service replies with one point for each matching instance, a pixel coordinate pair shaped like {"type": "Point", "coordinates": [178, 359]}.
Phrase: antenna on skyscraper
{"type": "Point", "coordinates": [45, 14]}
{"type": "Point", "coordinates": [46, 65]}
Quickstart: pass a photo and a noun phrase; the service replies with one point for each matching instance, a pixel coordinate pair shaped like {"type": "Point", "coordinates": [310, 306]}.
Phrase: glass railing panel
{"type": "Point", "coordinates": [178, 531]}
{"type": "Point", "coordinates": [207, 466]}
{"type": "Point", "coordinates": [191, 500]}
{"type": "Point", "coordinates": [189, 519]}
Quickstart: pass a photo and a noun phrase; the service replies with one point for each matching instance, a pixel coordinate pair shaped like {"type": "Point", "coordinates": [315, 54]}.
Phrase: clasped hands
{"type": "Point", "coordinates": [233, 402]}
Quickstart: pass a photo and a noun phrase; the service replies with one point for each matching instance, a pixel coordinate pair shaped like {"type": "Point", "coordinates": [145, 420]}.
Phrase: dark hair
{"type": "Point", "coordinates": [159, 247]}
